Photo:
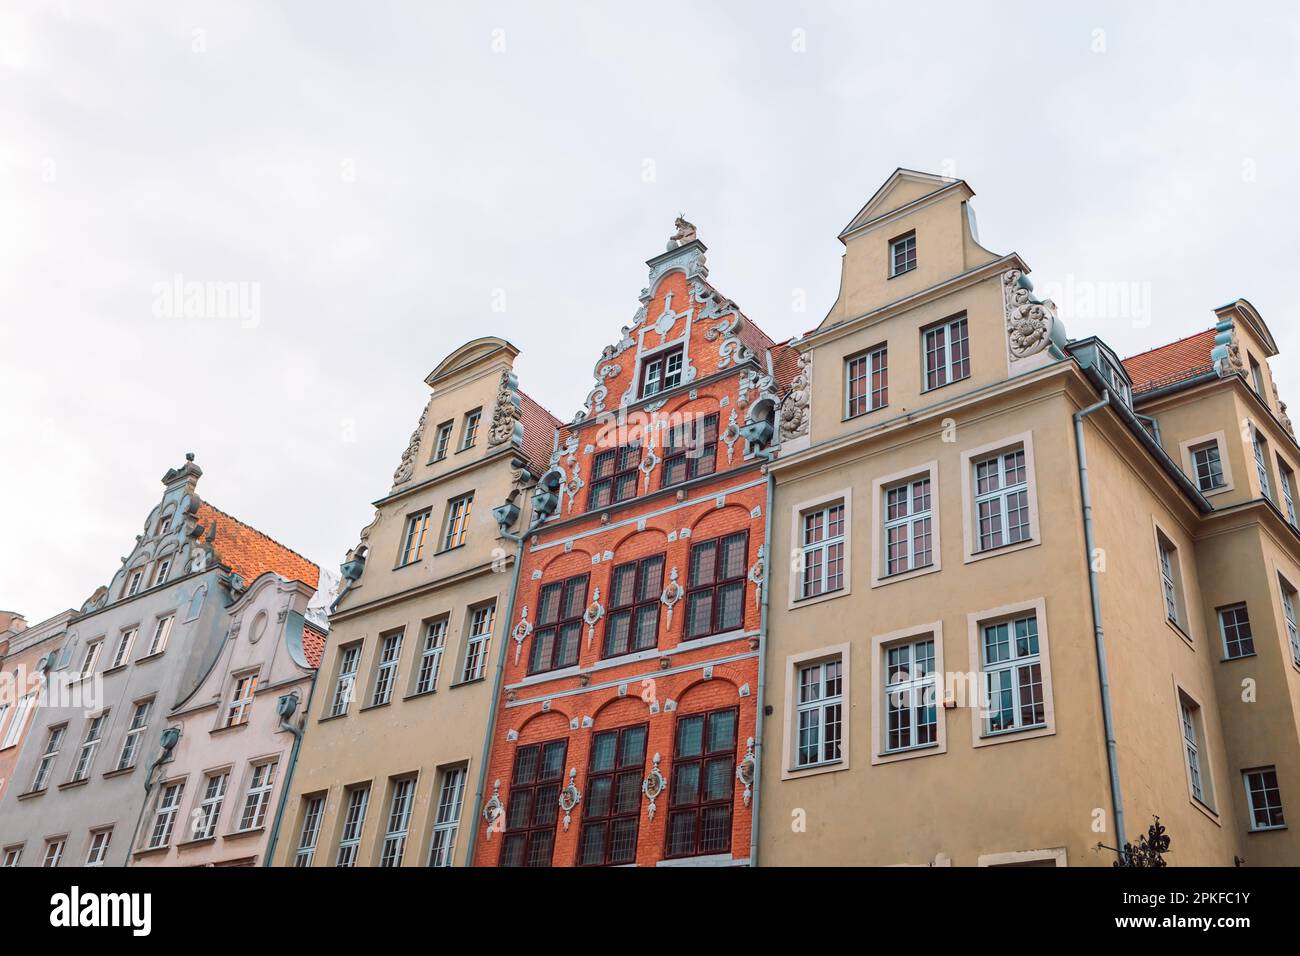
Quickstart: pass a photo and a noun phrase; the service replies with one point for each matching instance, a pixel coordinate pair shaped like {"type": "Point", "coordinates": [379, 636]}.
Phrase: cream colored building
{"type": "Point", "coordinates": [390, 764]}
{"type": "Point", "coordinates": [951, 645]}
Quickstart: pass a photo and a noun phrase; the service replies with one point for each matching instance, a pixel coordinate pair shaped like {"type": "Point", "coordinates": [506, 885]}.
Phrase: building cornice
{"type": "Point", "coordinates": [490, 458]}
{"type": "Point", "coordinates": [421, 590]}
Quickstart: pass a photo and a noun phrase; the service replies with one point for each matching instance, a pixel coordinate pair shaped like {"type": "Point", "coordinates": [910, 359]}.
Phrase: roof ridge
{"type": "Point", "coordinates": [1157, 348]}
{"type": "Point", "coordinates": [263, 534]}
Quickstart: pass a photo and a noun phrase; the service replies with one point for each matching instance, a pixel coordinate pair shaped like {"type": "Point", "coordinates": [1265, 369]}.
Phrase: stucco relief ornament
{"type": "Point", "coordinates": [653, 785]}
{"type": "Point", "coordinates": [671, 595]}
{"type": "Point", "coordinates": [1281, 412]}
{"type": "Point", "coordinates": [407, 468]}
{"type": "Point", "coordinates": [684, 232]}
{"type": "Point", "coordinates": [758, 575]}
{"type": "Point", "coordinates": [506, 411]}
{"type": "Point", "coordinates": [647, 466]}
{"type": "Point", "coordinates": [1029, 322]}
{"type": "Point", "coordinates": [493, 809]}
{"type": "Point", "coordinates": [730, 435]}
{"type": "Point", "coordinates": [575, 484]}
{"type": "Point", "coordinates": [570, 797]}
{"type": "Point", "coordinates": [795, 411]}
{"type": "Point", "coordinates": [521, 631]}
{"type": "Point", "coordinates": [732, 350]}
{"type": "Point", "coordinates": [591, 617]}
{"type": "Point", "coordinates": [745, 771]}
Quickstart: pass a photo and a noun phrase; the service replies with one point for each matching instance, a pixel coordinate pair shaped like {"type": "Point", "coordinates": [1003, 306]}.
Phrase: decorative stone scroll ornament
{"type": "Point", "coordinates": [795, 407]}
{"type": "Point", "coordinates": [570, 797]}
{"type": "Point", "coordinates": [407, 467]}
{"type": "Point", "coordinates": [647, 466]}
{"type": "Point", "coordinates": [1029, 321]}
{"type": "Point", "coordinates": [506, 413]}
{"type": "Point", "coordinates": [653, 785]}
{"type": "Point", "coordinates": [758, 574]}
{"type": "Point", "coordinates": [731, 351]}
{"type": "Point", "coordinates": [1281, 412]}
{"type": "Point", "coordinates": [575, 484]}
{"type": "Point", "coordinates": [591, 617]}
{"type": "Point", "coordinates": [671, 595]}
{"type": "Point", "coordinates": [493, 809]}
{"type": "Point", "coordinates": [730, 435]}
{"type": "Point", "coordinates": [745, 771]}
{"type": "Point", "coordinates": [521, 631]}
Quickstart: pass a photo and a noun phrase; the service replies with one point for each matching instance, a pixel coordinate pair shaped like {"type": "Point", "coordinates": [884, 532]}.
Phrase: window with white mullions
{"type": "Point", "coordinates": [53, 853]}
{"type": "Point", "coordinates": [390, 650]}
{"type": "Point", "coordinates": [1191, 743]}
{"type": "Point", "coordinates": [662, 372]}
{"type": "Point", "coordinates": [480, 636]}
{"type": "Point", "coordinates": [42, 776]}
{"type": "Point", "coordinates": [1169, 581]}
{"type": "Point", "coordinates": [209, 809]}
{"type": "Point", "coordinates": [417, 526]}
{"type": "Point", "coordinates": [820, 714]}
{"type": "Point", "coordinates": [868, 381]}
{"type": "Point", "coordinates": [161, 632]}
{"type": "Point", "coordinates": [123, 651]}
{"type": "Point", "coordinates": [451, 795]}
{"type": "Point", "coordinates": [89, 746]}
{"type": "Point", "coordinates": [349, 661]}
{"type": "Point", "coordinates": [457, 530]}
{"type": "Point", "coordinates": [443, 441]}
{"type": "Point", "coordinates": [1288, 610]}
{"type": "Point", "coordinates": [1286, 478]}
{"type": "Point", "coordinates": [99, 843]}
{"type": "Point", "coordinates": [258, 797]}
{"type": "Point", "coordinates": [18, 722]}
{"type": "Point", "coordinates": [354, 817]}
{"type": "Point", "coordinates": [911, 714]}
{"type": "Point", "coordinates": [902, 254]}
{"type": "Point", "coordinates": [169, 803]}
{"type": "Point", "coordinates": [908, 527]}
{"type": "Point", "coordinates": [1002, 500]}
{"type": "Point", "coordinates": [1261, 462]}
{"type": "Point", "coordinates": [310, 834]}
{"type": "Point", "coordinates": [399, 823]}
{"type": "Point", "coordinates": [435, 639]}
{"type": "Point", "coordinates": [1013, 676]}
{"type": "Point", "coordinates": [1234, 625]}
{"type": "Point", "coordinates": [1265, 799]}
{"type": "Point", "coordinates": [634, 593]}
{"type": "Point", "coordinates": [1208, 465]}
{"type": "Point", "coordinates": [241, 700]}
{"type": "Point", "coordinates": [947, 353]}
{"type": "Point", "coordinates": [823, 551]}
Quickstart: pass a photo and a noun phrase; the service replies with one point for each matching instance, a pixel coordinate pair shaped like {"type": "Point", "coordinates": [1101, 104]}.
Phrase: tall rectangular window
{"type": "Point", "coordinates": [911, 714]}
{"type": "Point", "coordinates": [909, 529]}
{"type": "Point", "coordinates": [1234, 625]}
{"type": "Point", "coordinates": [451, 795]}
{"type": "Point", "coordinates": [1289, 600]}
{"type": "Point", "coordinates": [1265, 798]}
{"type": "Point", "coordinates": [614, 476]}
{"type": "Point", "coordinates": [1002, 500]}
{"type": "Point", "coordinates": [161, 632]}
{"type": "Point", "coordinates": [1208, 466]}
{"type": "Point", "coordinates": [442, 443]}
{"type": "Point", "coordinates": [258, 796]}
{"type": "Point", "coordinates": [349, 660]}
{"type": "Point", "coordinates": [309, 836]}
{"type": "Point", "coordinates": [1286, 478]}
{"type": "Point", "coordinates": [902, 254]}
{"type": "Point", "coordinates": [169, 802]}
{"type": "Point", "coordinates": [99, 843]}
{"type": "Point", "coordinates": [90, 660]}
{"type": "Point", "coordinates": [868, 381]}
{"type": "Point", "coordinates": [947, 353]}
{"type": "Point", "coordinates": [634, 594]}
{"type": "Point", "coordinates": [354, 817]}
{"type": "Point", "coordinates": [41, 778]}
{"type": "Point", "coordinates": [1013, 677]}
{"type": "Point", "coordinates": [469, 433]}
{"type": "Point", "coordinates": [399, 823]}
{"type": "Point", "coordinates": [703, 777]}
{"type": "Point", "coordinates": [481, 620]}
{"type": "Point", "coordinates": [209, 809]}
{"type": "Point", "coordinates": [1256, 376]}
{"type": "Point", "coordinates": [1260, 446]}
{"type": "Point", "coordinates": [134, 734]}
{"type": "Point", "coordinates": [715, 591]}
{"type": "Point", "coordinates": [1192, 747]}
{"type": "Point", "coordinates": [19, 720]}
{"type": "Point", "coordinates": [662, 372]}
{"type": "Point", "coordinates": [822, 547]}
{"type": "Point", "coordinates": [123, 650]}
{"type": "Point", "coordinates": [12, 855]}
{"type": "Point", "coordinates": [457, 530]}
{"type": "Point", "coordinates": [160, 572]}
{"type": "Point", "coordinates": [241, 700]}
{"type": "Point", "coordinates": [390, 651]}
{"type": "Point", "coordinates": [89, 746]}
{"type": "Point", "coordinates": [417, 526]}
{"type": "Point", "coordinates": [820, 714]}
{"type": "Point", "coordinates": [1170, 580]}
{"type": "Point", "coordinates": [691, 452]}
{"type": "Point", "coordinates": [533, 805]}
{"type": "Point", "coordinates": [559, 625]}
{"type": "Point", "coordinates": [133, 585]}
{"type": "Point", "coordinates": [435, 638]}
{"type": "Point", "coordinates": [612, 805]}
{"type": "Point", "coordinates": [53, 853]}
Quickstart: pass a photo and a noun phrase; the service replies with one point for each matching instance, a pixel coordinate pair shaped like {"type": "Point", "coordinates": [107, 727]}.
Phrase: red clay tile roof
{"type": "Point", "coordinates": [313, 644]}
{"type": "Point", "coordinates": [1172, 363]}
{"type": "Point", "coordinates": [539, 433]}
{"type": "Point", "coordinates": [785, 365]}
{"type": "Point", "coordinates": [248, 552]}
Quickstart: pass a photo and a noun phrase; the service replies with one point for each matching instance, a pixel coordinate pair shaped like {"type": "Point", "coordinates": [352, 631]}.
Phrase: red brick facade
{"type": "Point", "coordinates": [709, 529]}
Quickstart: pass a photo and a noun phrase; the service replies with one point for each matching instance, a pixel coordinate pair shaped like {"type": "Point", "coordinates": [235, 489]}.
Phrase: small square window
{"type": "Point", "coordinates": [1265, 799]}
{"type": "Point", "coordinates": [1208, 466]}
{"type": "Point", "coordinates": [1234, 625]}
{"type": "Point", "coordinates": [662, 372]}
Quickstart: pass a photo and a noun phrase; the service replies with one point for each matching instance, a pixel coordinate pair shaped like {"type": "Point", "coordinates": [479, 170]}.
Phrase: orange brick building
{"type": "Point", "coordinates": [624, 730]}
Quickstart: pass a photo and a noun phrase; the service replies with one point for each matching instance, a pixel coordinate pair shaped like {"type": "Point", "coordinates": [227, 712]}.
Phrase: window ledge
{"type": "Point", "coordinates": [115, 670]}
{"type": "Point", "coordinates": [898, 576]}
{"type": "Point", "coordinates": [1275, 829]}
{"type": "Point", "coordinates": [118, 772]}
{"type": "Point", "coordinates": [1209, 811]}
{"type": "Point", "coordinates": [715, 859]}
{"type": "Point", "coordinates": [1009, 736]}
{"type": "Point", "coordinates": [225, 728]}
{"type": "Point", "coordinates": [818, 598]}
{"type": "Point", "coordinates": [415, 695]}
{"type": "Point", "coordinates": [75, 783]}
{"type": "Point", "coordinates": [816, 770]}
{"type": "Point", "coordinates": [466, 683]}
{"type": "Point", "coordinates": [909, 753]}
{"type": "Point", "coordinates": [151, 851]}
{"type": "Point", "coordinates": [1002, 549]}
{"type": "Point", "coordinates": [1178, 629]}
{"type": "Point", "coordinates": [152, 657]}
{"type": "Point", "coordinates": [1239, 657]}
{"type": "Point", "coordinates": [192, 844]}
{"type": "Point", "coordinates": [375, 706]}
{"type": "Point", "coordinates": [241, 834]}
{"type": "Point", "coordinates": [30, 794]}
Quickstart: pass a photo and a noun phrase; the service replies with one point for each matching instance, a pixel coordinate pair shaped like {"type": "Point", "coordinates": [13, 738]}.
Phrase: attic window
{"type": "Point", "coordinates": [661, 373]}
{"type": "Point", "coordinates": [902, 254]}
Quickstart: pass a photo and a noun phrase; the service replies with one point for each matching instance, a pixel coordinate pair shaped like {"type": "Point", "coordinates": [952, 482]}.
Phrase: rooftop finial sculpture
{"type": "Point", "coordinates": [685, 233]}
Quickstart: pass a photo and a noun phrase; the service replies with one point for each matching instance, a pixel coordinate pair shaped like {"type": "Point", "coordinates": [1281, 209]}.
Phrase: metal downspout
{"type": "Point", "coordinates": [298, 733]}
{"type": "Point", "coordinates": [1094, 588]}
{"type": "Point", "coordinates": [497, 678]}
{"type": "Point", "coordinates": [762, 668]}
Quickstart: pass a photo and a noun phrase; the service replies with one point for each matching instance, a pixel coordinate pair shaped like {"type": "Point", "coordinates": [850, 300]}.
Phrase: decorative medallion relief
{"type": "Point", "coordinates": [521, 631]}
{"type": "Point", "coordinates": [745, 771]}
{"type": "Point", "coordinates": [653, 785]}
{"type": "Point", "coordinates": [570, 797]}
{"type": "Point", "coordinates": [673, 593]}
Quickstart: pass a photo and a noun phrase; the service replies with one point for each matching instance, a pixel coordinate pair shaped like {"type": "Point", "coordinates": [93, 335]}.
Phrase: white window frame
{"type": "Point", "coordinates": [794, 663]}
{"type": "Point", "coordinates": [901, 245]}
{"type": "Point", "coordinates": [1290, 597]}
{"type": "Point", "coordinates": [45, 766]}
{"type": "Point", "coordinates": [89, 747]}
{"type": "Point", "coordinates": [160, 572]}
{"type": "Point", "coordinates": [257, 798]}
{"type": "Point", "coordinates": [1237, 626]}
{"type": "Point", "coordinates": [164, 820]}
{"type": "Point", "coordinates": [161, 635]}
{"type": "Point", "coordinates": [1252, 810]}
{"type": "Point", "coordinates": [1187, 451]}
{"type": "Point", "coordinates": [309, 832]}
{"type": "Point", "coordinates": [819, 551]}
{"type": "Point", "coordinates": [134, 581]}
{"type": "Point", "coordinates": [469, 430]}
{"type": "Point", "coordinates": [241, 700]}
{"type": "Point", "coordinates": [1207, 473]}
{"type": "Point", "coordinates": [53, 852]}
{"type": "Point", "coordinates": [1286, 481]}
{"type": "Point", "coordinates": [354, 821]}
{"type": "Point", "coordinates": [12, 856]}
{"type": "Point", "coordinates": [429, 666]}
{"type": "Point", "coordinates": [947, 366]}
{"type": "Point", "coordinates": [829, 691]}
{"type": "Point", "coordinates": [346, 681]}
{"type": "Point", "coordinates": [977, 695]}
{"type": "Point", "coordinates": [100, 840]}
{"type": "Point", "coordinates": [442, 440]}
{"type": "Point", "coordinates": [882, 686]}
{"type": "Point", "coordinates": [798, 555]}
{"type": "Point", "coordinates": [1196, 761]}
{"type": "Point", "coordinates": [970, 511]}
{"type": "Point", "coordinates": [1173, 584]}
{"type": "Point", "coordinates": [666, 363]}
{"type": "Point", "coordinates": [208, 813]}
{"type": "Point", "coordinates": [390, 653]}
{"type": "Point", "coordinates": [446, 821]}
{"type": "Point", "coordinates": [481, 624]}
{"type": "Point", "coordinates": [1259, 445]}
{"type": "Point", "coordinates": [417, 526]}
{"type": "Point", "coordinates": [17, 723]}
{"type": "Point", "coordinates": [393, 849]}
{"type": "Point", "coordinates": [125, 641]}
{"type": "Point", "coordinates": [912, 520]}
{"type": "Point", "coordinates": [455, 531]}
{"type": "Point", "coordinates": [140, 714]}
{"type": "Point", "coordinates": [875, 362]}
{"type": "Point", "coordinates": [90, 659]}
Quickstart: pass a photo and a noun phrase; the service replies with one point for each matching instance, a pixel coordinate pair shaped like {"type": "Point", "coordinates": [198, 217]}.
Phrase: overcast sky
{"type": "Point", "coordinates": [391, 179]}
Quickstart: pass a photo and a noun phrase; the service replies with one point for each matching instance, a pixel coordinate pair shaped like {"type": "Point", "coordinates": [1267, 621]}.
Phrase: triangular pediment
{"type": "Point", "coordinates": [903, 187]}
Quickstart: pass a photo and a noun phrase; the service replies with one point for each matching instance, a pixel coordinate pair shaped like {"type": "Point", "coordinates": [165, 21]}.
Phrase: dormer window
{"type": "Point", "coordinates": [1120, 385]}
{"type": "Point", "coordinates": [902, 254]}
{"type": "Point", "coordinates": [662, 372]}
